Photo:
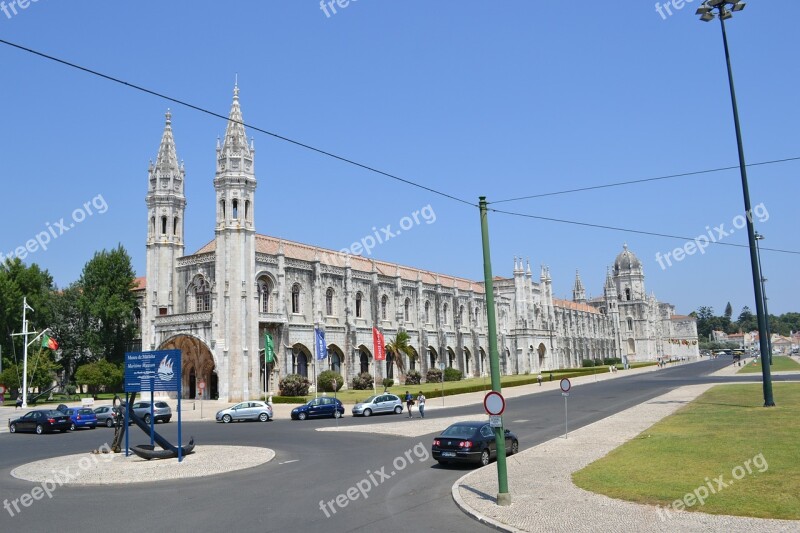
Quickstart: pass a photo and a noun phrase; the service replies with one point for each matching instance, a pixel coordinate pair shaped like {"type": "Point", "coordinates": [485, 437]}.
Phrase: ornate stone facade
{"type": "Point", "coordinates": [217, 304]}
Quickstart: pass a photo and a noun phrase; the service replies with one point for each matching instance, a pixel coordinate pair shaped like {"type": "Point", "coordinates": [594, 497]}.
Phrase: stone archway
{"type": "Point", "coordinates": [542, 351]}
{"type": "Point", "coordinates": [197, 364]}
{"type": "Point", "coordinates": [301, 359]}
{"type": "Point", "coordinates": [336, 359]}
{"type": "Point", "coordinates": [364, 357]}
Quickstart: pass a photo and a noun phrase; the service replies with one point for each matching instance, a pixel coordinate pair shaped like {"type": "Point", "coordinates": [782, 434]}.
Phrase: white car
{"type": "Point", "coordinates": [251, 410]}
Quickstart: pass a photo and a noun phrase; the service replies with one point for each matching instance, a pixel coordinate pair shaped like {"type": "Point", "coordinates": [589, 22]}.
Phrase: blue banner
{"type": "Point", "coordinates": [158, 371]}
{"type": "Point", "coordinates": [319, 341]}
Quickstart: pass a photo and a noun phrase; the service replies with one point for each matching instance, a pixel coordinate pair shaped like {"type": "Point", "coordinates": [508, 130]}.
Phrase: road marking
{"type": "Point", "coordinates": [290, 461]}
{"type": "Point", "coordinates": [519, 421]}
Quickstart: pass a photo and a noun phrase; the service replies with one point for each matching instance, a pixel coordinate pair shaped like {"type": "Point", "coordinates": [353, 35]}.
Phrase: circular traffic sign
{"type": "Point", "coordinates": [494, 403]}
{"type": "Point", "coordinates": [565, 385]}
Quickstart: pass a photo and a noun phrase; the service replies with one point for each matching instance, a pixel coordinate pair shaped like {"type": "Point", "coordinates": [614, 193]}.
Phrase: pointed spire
{"type": "Point", "coordinates": [235, 137]}
{"type": "Point", "coordinates": [578, 283]}
{"type": "Point", "coordinates": [167, 159]}
{"type": "Point", "coordinates": [529, 267]}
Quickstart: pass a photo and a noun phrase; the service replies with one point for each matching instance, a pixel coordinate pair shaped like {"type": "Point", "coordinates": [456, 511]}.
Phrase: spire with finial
{"type": "Point", "coordinates": [235, 142]}
{"type": "Point", "coordinates": [578, 292]}
{"type": "Point", "coordinates": [529, 267]}
{"type": "Point", "coordinates": [167, 159]}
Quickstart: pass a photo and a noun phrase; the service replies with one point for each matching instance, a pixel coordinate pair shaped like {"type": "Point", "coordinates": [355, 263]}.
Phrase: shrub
{"type": "Point", "coordinates": [612, 361]}
{"type": "Point", "coordinates": [587, 362]}
{"type": "Point", "coordinates": [434, 375]}
{"type": "Point", "coordinates": [326, 378]}
{"type": "Point", "coordinates": [388, 382]}
{"type": "Point", "coordinates": [452, 374]}
{"type": "Point", "coordinates": [413, 377]}
{"type": "Point", "coordinates": [294, 385]}
{"type": "Point", "coordinates": [363, 381]}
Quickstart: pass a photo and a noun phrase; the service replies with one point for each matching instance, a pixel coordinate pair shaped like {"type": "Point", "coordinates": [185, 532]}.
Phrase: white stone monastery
{"type": "Point", "coordinates": [217, 304]}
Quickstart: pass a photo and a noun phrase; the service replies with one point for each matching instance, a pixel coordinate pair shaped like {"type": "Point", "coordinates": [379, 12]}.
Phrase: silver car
{"type": "Point", "coordinates": [161, 411]}
{"type": "Point", "coordinates": [106, 415]}
{"type": "Point", "coordinates": [380, 403]}
{"type": "Point", "coordinates": [252, 410]}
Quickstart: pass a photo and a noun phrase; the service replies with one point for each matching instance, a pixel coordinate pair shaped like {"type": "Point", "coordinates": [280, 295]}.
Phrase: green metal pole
{"type": "Point", "coordinates": [503, 496]}
{"type": "Point", "coordinates": [751, 236]}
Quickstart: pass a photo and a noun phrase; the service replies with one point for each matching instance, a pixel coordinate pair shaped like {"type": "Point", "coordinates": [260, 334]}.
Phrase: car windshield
{"type": "Point", "coordinates": [161, 404]}
{"type": "Point", "coordinates": [460, 431]}
{"type": "Point", "coordinates": [85, 411]}
{"type": "Point", "coordinates": [370, 399]}
{"type": "Point", "coordinates": [54, 413]}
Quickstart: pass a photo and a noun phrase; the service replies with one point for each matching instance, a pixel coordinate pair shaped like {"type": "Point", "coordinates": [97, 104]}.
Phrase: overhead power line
{"type": "Point", "coordinates": [645, 180]}
{"type": "Point", "coordinates": [638, 232]}
{"type": "Point", "coordinates": [252, 127]}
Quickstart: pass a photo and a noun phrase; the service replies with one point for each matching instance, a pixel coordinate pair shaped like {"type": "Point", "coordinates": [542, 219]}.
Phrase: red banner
{"type": "Point", "coordinates": [378, 345]}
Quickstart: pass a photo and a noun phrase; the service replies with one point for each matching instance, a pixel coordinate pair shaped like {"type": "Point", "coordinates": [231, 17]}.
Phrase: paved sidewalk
{"type": "Point", "coordinates": [545, 499]}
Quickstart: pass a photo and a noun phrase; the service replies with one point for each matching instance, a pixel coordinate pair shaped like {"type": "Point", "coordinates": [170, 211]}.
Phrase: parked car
{"type": "Point", "coordinates": [255, 410]}
{"type": "Point", "coordinates": [380, 403]}
{"type": "Point", "coordinates": [107, 415]}
{"type": "Point", "coordinates": [162, 412]}
{"type": "Point", "coordinates": [81, 417]}
{"type": "Point", "coordinates": [324, 406]}
{"type": "Point", "coordinates": [40, 421]}
{"type": "Point", "coordinates": [470, 442]}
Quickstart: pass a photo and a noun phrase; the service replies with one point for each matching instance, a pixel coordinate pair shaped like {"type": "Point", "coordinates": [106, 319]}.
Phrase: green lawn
{"type": "Point", "coordinates": [725, 432]}
{"type": "Point", "coordinates": [779, 362]}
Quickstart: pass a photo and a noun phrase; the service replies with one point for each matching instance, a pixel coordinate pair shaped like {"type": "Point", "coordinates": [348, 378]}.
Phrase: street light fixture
{"type": "Point", "coordinates": [723, 9]}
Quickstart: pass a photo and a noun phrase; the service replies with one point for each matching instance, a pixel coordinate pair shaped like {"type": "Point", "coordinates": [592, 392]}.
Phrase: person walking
{"type": "Point", "coordinates": [539, 379]}
{"type": "Point", "coordinates": [421, 402]}
{"type": "Point", "coordinates": [409, 404]}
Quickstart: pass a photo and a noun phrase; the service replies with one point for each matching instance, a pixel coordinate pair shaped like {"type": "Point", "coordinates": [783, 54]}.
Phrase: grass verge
{"type": "Point", "coordinates": [719, 434]}
{"type": "Point", "coordinates": [779, 362]}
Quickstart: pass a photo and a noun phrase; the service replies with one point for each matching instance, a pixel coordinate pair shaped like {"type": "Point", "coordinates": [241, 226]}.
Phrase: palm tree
{"type": "Point", "coordinates": [399, 347]}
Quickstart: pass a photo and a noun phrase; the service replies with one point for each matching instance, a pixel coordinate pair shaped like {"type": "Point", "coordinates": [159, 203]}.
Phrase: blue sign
{"type": "Point", "coordinates": [153, 371]}
{"type": "Point", "coordinates": [321, 347]}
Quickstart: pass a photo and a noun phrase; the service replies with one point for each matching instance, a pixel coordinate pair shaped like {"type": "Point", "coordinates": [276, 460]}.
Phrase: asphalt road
{"type": "Point", "coordinates": [310, 467]}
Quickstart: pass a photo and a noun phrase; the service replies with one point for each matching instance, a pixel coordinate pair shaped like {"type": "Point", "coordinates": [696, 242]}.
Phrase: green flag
{"type": "Point", "coordinates": [269, 349]}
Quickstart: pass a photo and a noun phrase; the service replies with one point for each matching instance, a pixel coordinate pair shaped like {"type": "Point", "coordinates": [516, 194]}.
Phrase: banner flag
{"type": "Point", "coordinates": [379, 345]}
{"type": "Point", "coordinates": [269, 349]}
{"type": "Point", "coordinates": [322, 348]}
{"type": "Point", "coordinates": [49, 342]}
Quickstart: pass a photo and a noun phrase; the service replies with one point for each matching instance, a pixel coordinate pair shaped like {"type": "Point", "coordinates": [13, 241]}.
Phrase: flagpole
{"type": "Point", "coordinates": [25, 353]}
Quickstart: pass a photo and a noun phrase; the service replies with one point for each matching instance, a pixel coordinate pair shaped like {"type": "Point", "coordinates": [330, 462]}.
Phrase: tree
{"type": "Point", "coordinates": [728, 311]}
{"type": "Point", "coordinates": [41, 372]}
{"type": "Point", "coordinates": [747, 321]}
{"type": "Point", "coordinates": [399, 347]}
{"type": "Point", "coordinates": [107, 298]}
{"type": "Point", "coordinates": [71, 326]}
{"type": "Point", "coordinates": [705, 316]}
{"type": "Point", "coordinates": [99, 374]}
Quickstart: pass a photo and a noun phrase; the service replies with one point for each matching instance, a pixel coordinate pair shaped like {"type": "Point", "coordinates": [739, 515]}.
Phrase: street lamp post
{"type": "Point", "coordinates": [760, 237]}
{"type": "Point", "coordinates": [723, 9]}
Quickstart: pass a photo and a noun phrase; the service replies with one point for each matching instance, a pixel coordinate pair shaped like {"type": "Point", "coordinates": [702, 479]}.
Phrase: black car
{"type": "Point", "coordinates": [40, 421]}
{"type": "Point", "coordinates": [323, 406]}
{"type": "Point", "coordinates": [470, 442]}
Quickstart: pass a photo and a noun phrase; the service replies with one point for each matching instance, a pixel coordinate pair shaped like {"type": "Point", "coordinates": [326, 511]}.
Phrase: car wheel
{"type": "Point", "coordinates": [485, 457]}
{"type": "Point", "coordinates": [226, 419]}
{"type": "Point", "coordinates": [39, 429]}
{"type": "Point", "coordinates": [146, 419]}
{"type": "Point", "coordinates": [72, 426]}
{"type": "Point", "coordinates": [514, 447]}
{"type": "Point", "coordinates": [166, 420]}
{"type": "Point", "coordinates": [441, 462]}
{"type": "Point", "coordinates": [337, 414]}
{"type": "Point", "coordinates": [302, 416]}
{"type": "Point", "coordinates": [63, 431]}
{"type": "Point", "coordinates": [398, 410]}
{"type": "Point", "coordinates": [109, 423]}
{"type": "Point", "coordinates": [263, 417]}
{"type": "Point", "coordinates": [367, 412]}
{"type": "Point", "coordinates": [93, 426]}
{"type": "Point", "coordinates": [12, 428]}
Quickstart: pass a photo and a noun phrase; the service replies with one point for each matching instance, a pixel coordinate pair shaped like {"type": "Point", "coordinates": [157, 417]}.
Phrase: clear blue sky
{"type": "Point", "coordinates": [502, 99]}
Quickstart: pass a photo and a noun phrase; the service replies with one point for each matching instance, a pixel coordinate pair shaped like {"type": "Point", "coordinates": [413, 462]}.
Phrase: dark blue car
{"type": "Point", "coordinates": [318, 407]}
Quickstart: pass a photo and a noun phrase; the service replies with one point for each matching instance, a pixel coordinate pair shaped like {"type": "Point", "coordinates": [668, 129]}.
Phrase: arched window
{"type": "Point", "coordinates": [235, 208]}
{"type": "Point", "coordinates": [461, 315]}
{"type": "Point", "coordinates": [627, 295]}
{"type": "Point", "coordinates": [427, 312]}
{"type": "Point", "coordinates": [202, 295]}
{"type": "Point", "coordinates": [222, 209]}
{"type": "Point", "coordinates": [296, 298]}
{"type": "Point", "coordinates": [163, 225]}
{"type": "Point", "coordinates": [407, 309]}
{"type": "Point", "coordinates": [137, 318]}
{"type": "Point", "coordinates": [359, 310]}
{"type": "Point", "coordinates": [175, 226]}
{"type": "Point", "coordinates": [444, 314]}
{"type": "Point", "coordinates": [152, 225]}
{"type": "Point", "coordinates": [247, 209]}
{"type": "Point", "coordinates": [265, 295]}
{"type": "Point", "coordinates": [384, 305]}
{"type": "Point", "coordinates": [329, 302]}
{"type": "Point", "coordinates": [630, 324]}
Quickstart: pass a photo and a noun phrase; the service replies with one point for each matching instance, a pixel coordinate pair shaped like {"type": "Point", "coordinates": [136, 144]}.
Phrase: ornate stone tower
{"type": "Point", "coordinates": [629, 276]}
{"type": "Point", "coordinates": [235, 297]}
{"type": "Point", "coordinates": [612, 306]}
{"type": "Point", "coordinates": [166, 204]}
{"type": "Point", "coordinates": [578, 292]}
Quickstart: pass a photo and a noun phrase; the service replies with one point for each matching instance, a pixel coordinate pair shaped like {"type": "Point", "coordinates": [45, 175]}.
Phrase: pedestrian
{"type": "Point", "coordinates": [19, 403]}
{"type": "Point", "coordinates": [539, 379]}
{"type": "Point", "coordinates": [421, 402]}
{"type": "Point", "coordinates": [409, 404]}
